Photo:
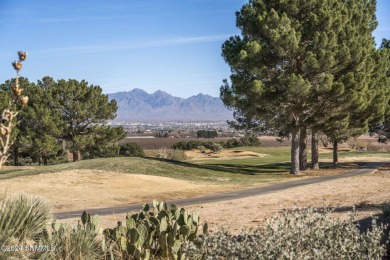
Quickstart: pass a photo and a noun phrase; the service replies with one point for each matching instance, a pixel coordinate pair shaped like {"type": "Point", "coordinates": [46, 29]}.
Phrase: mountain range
{"type": "Point", "coordinates": [138, 105]}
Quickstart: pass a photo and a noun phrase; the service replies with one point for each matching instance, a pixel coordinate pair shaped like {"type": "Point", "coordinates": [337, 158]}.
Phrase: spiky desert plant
{"type": "Point", "coordinates": [22, 217]}
{"type": "Point", "coordinates": [81, 242]}
{"type": "Point", "coordinates": [158, 232]}
{"type": "Point", "coordinates": [9, 121]}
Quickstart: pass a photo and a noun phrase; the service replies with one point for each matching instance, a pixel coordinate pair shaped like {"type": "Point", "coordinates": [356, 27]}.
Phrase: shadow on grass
{"type": "Point", "coordinates": [274, 168]}
{"type": "Point", "coordinates": [365, 224]}
{"type": "Point", "coordinates": [260, 169]}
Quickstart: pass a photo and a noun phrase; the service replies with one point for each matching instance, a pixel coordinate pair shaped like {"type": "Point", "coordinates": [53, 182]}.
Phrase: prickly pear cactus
{"type": "Point", "coordinates": [159, 230]}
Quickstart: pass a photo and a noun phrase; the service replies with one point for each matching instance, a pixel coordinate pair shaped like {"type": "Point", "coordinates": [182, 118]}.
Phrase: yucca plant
{"type": "Point", "coordinates": [22, 218]}
{"type": "Point", "coordinates": [81, 242]}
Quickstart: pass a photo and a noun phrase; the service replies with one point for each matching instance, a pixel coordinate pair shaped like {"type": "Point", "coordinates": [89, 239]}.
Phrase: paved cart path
{"type": "Point", "coordinates": [232, 195]}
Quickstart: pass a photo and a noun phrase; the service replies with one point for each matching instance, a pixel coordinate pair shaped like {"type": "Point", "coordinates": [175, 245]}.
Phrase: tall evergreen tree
{"type": "Point", "coordinates": [82, 107]}
{"type": "Point", "coordinates": [296, 57]}
{"type": "Point", "coordinates": [41, 126]}
{"type": "Point", "coordinates": [381, 125]}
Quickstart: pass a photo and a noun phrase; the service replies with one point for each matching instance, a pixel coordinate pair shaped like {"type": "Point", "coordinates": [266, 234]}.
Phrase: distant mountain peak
{"type": "Point", "coordinates": [138, 90]}
{"type": "Point", "coordinates": [138, 105]}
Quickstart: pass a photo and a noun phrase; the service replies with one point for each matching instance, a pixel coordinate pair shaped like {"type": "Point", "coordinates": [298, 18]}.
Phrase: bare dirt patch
{"type": "Point", "coordinates": [83, 189]}
{"type": "Point", "coordinates": [195, 154]}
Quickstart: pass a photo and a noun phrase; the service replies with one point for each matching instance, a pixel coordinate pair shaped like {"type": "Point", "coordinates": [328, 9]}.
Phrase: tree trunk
{"type": "Point", "coordinates": [75, 156]}
{"type": "Point", "coordinates": [295, 151]}
{"type": "Point", "coordinates": [16, 155]}
{"type": "Point", "coordinates": [335, 155]}
{"type": "Point", "coordinates": [39, 160]}
{"type": "Point", "coordinates": [303, 149]}
{"type": "Point", "coordinates": [314, 151]}
{"type": "Point", "coordinates": [44, 161]}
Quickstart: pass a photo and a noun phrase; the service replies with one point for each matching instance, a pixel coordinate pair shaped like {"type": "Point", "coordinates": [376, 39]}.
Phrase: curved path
{"type": "Point", "coordinates": [365, 169]}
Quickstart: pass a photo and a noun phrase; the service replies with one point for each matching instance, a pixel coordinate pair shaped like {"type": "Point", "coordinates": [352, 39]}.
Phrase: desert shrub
{"type": "Point", "coordinates": [300, 234]}
{"type": "Point", "coordinates": [177, 155]}
{"type": "Point", "coordinates": [162, 153]}
{"type": "Point", "coordinates": [131, 150]}
{"type": "Point", "coordinates": [189, 145]}
{"type": "Point", "coordinates": [201, 148]}
{"type": "Point", "coordinates": [186, 145]}
{"type": "Point", "coordinates": [158, 232]}
{"type": "Point", "coordinates": [231, 143]}
{"type": "Point", "coordinates": [216, 147]}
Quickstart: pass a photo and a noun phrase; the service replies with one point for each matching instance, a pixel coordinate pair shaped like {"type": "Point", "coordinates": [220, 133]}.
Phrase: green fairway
{"type": "Point", "coordinates": [278, 161]}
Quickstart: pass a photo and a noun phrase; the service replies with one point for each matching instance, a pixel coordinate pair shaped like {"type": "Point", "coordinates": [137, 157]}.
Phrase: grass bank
{"type": "Point", "coordinates": [151, 166]}
{"type": "Point", "coordinates": [244, 171]}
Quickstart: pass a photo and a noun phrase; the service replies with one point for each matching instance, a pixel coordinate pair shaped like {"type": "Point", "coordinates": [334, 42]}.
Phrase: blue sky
{"type": "Point", "coordinates": [170, 45]}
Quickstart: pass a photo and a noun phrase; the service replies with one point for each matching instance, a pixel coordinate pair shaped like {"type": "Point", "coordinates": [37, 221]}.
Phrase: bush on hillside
{"type": "Point", "coordinates": [131, 150]}
{"type": "Point", "coordinates": [216, 147]}
{"type": "Point", "coordinates": [231, 143]}
{"type": "Point", "coordinates": [175, 154]}
{"type": "Point", "coordinates": [189, 145]}
{"type": "Point", "coordinates": [201, 148]}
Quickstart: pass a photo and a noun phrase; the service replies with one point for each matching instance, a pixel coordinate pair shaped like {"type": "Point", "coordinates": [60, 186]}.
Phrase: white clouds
{"type": "Point", "coordinates": [120, 46]}
{"type": "Point", "coordinates": [79, 19]}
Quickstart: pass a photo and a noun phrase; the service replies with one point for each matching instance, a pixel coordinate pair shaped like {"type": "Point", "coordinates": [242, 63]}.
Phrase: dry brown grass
{"type": "Point", "coordinates": [83, 189]}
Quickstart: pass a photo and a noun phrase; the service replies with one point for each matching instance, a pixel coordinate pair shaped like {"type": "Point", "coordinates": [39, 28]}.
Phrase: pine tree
{"type": "Point", "coordinates": [40, 126]}
{"type": "Point", "coordinates": [381, 125]}
{"type": "Point", "coordinates": [295, 57]}
{"type": "Point", "coordinates": [104, 142]}
{"type": "Point", "coordinates": [81, 107]}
